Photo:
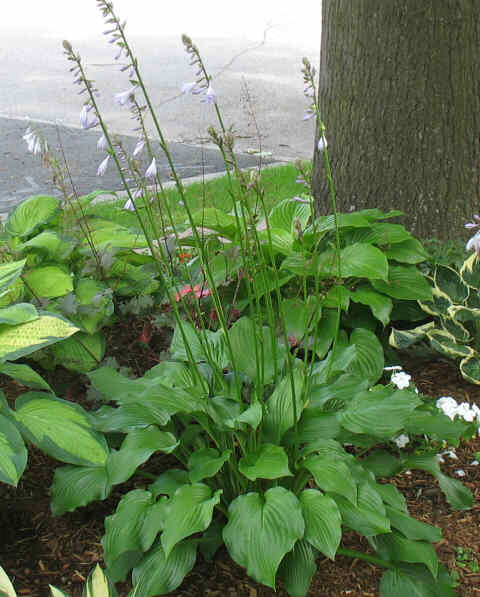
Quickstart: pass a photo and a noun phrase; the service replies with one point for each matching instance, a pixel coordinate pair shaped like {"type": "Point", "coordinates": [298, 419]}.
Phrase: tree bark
{"type": "Point", "coordinates": [399, 93]}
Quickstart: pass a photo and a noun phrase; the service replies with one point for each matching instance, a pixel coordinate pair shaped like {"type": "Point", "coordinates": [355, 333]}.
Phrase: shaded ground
{"type": "Point", "coordinates": [38, 549]}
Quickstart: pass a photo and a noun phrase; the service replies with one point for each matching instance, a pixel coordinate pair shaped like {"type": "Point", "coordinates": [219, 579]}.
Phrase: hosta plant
{"type": "Point", "coordinates": [454, 331]}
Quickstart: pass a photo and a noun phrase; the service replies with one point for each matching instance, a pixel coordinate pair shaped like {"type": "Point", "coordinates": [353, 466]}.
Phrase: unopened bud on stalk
{"type": "Point", "coordinates": [298, 228]}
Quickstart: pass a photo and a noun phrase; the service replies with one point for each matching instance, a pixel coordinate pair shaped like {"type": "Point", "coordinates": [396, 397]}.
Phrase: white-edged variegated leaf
{"type": "Point", "coordinates": [262, 529]}
{"type": "Point", "coordinates": [446, 344]}
{"type": "Point", "coordinates": [470, 271]}
{"type": "Point", "coordinates": [403, 339]}
{"type": "Point", "coordinates": [13, 454]}
{"type": "Point", "coordinates": [470, 369]}
{"type": "Point", "coordinates": [449, 282]}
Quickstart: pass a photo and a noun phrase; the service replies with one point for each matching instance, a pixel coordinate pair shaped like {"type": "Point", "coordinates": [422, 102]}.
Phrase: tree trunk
{"type": "Point", "coordinates": [399, 93]}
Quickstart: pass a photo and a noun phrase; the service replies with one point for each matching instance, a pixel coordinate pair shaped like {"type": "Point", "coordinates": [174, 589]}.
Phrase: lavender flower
{"type": "Point", "coordinates": [103, 166]}
{"type": "Point", "coordinates": [125, 97]}
{"type": "Point", "coordinates": [301, 200]}
{"type": "Point", "coordinates": [33, 141]}
{"type": "Point", "coordinates": [475, 224]}
{"type": "Point", "coordinates": [210, 96]}
{"type": "Point", "coordinates": [474, 243]}
{"type": "Point", "coordinates": [151, 171]}
{"type": "Point", "coordinates": [138, 147]}
{"type": "Point", "coordinates": [85, 121]}
{"type": "Point", "coordinates": [310, 113]}
{"type": "Point", "coordinates": [322, 143]}
{"type": "Point", "coordinates": [188, 87]}
{"type": "Point", "coordinates": [102, 143]}
{"type": "Point", "coordinates": [129, 205]}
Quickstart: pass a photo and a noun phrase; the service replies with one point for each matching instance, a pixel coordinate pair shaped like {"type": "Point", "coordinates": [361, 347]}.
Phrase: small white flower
{"type": "Point", "coordinates": [474, 463]}
{"type": "Point", "coordinates": [460, 473]}
{"type": "Point", "coordinates": [322, 143]}
{"type": "Point", "coordinates": [103, 166]}
{"type": "Point", "coordinates": [402, 440]}
{"type": "Point", "coordinates": [129, 205]}
{"type": "Point", "coordinates": [125, 97]}
{"type": "Point", "coordinates": [151, 171]}
{"type": "Point", "coordinates": [440, 458]}
{"type": "Point", "coordinates": [138, 147]}
{"type": "Point", "coordinates": [448, 406]}
{"type": "Point", "coordinates": [102, 143]}
{"type": "Point", "coordinates": [85, 121]}
{"type": "Point", "coordinates": [451, 454]}
{"type": "Point", "coordinates": [401, 380]}
{"type": "Point", "coordinates": [467, 413]}
{"type": "Point", "coordinates": [188, 87]}
{"type": "Point", "coordinates": [210, 96]}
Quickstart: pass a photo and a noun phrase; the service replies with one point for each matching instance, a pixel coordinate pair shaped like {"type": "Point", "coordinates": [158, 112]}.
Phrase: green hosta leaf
{"type": "Point", "coordinates": [49, 281]}
{"type": "Point", "coordinates": [25, 375]}
{"type": "Point", "coordinates": [368, 517]}
{"type": "Point", "coordinates": [9, 272]}
{"type": "Point", "coordinates": [355, 220]}
{"type": "Point", "coordinates": [394, 547]}
{"type": "Point", "coordinates": [60, 428]}
{"type": "Point", "coordinates": [332, 476]}
{"type": "Point", "coordinates": [105, 234]}
{"type": "Point", "coordinates": [446, 344]}
{"type": "Point", "coordinates": [49, 241]}
{"type": "Point", "coordinates": [470, 271]}
{"type": "Point", "coordinates": [92, 292]}
{"type": "Point", "coordinates": [200, 345]}
{"type": "Point", "coordinates": [403, 339]}
{"type": "Point", "coordinates": [267, 462]}
{"type": "Point", "coordinates": [251, 416]}
{"type": "Point", "coordinates": [31, 214]}
{"type": "Point", "coordinates": [277, 240]}
{"type": "Point", "coordinates": [415, 581]}
{"type": "Point", "coordinates": [217, 220]}
{"type": "Point", "coordinates": [300, 317]}
{"type": "Point", "coordinates": [21, 340]}
{"type": "Point", "coordinates": [448, 281]}
{"type": "Point", "coordinates": [13, 454]}
{"type": "Point", "coordinates": [470, 369]}
{"type": "Point", "coordinates": [281, 408]}
{"type": "Point", "coordinates": [19, 313]}
{"type": "Point", "coordinates": [382, 463]}
{"type": "Point", "coordinates": [190, 511]}
{"type": "Point", "coordinates": [369, 359]}
{"type": "Point", "coordinates": [82, 352]}
{"type": "Point", "coordinates": [261, 530]}
{"type": "Point", "coordinates": [157, 574]}
{"type": "Point", "coordinates": [314, 424]}
{"type": "Point", "coordinates": [325, 331]}
{"type": "Point", "coordinates": [408, 251]}
{"type": "Point", "coordinates": [380, 305]}
{"type": "Point", "coordinates": [436, 425]}
{"type": "Point", "coordinates": [412, 528]}
{"type": "Point", "coordinates": [298, 568]}
{"type": "Point", "coordinates": [75, 486]}
{"type": "Point", "coordinates": [380, 412]}
{"type": "Point", "coordinates": [323, 523]}
{"type": "Point", "coordinates": [6, 587]}
{"type": "Point", "coordinates": [392, 496]}
{"type": "Point", "coordinates": [404, 282]}
{"type": "Point", "coordinates": [206, 463]}
{"type": "Point", "coordinates": [359, 260]}
{"type": "Point", "coordinates": [284, 213]}
{"type": "Point", "coordinates": [168, 482]}
{"type": "Point", "coordinates": [344, 388]}
{"type": "Point", "coordinates": [212, 539]}
{"type": "Point", "coordinates": [131, 531]}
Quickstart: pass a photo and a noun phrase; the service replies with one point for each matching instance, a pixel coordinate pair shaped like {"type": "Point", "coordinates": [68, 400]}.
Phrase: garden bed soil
{"type": "Point", "coordinates": [38, 549]}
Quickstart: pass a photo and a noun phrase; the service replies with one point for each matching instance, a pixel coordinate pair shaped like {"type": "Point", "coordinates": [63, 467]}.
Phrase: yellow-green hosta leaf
{"type": "Point", "coordinates": [32, 213]}
{"type": "Point", "coordinates": [61, 429]}
{"type": "Point", "coordinates": [6, 587]}
{"type": "Point", "coordinates": [82, 352]}
{"type": "Point", "coordinates": [19, 313]}
{"type": "Point", "coordinates": [25, 375]}
{"type": "Point", "coordinates": [49, 281]}
{"type": "Point", "coordinates": [9, 272]}
{"type": "Point", "coordinates": [13, 454]}
{"type": "Point", "coordinates": [21, 340]}
{"type": "Point", "coordinates": [470, 271]}
{"type": "Point", "coordinates": [446, 344]}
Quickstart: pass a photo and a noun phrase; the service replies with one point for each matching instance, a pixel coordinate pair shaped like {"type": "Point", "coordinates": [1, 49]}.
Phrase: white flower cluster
{"type": "Point", "coordinates": [399, 378]}
{"type": "Point", "coordinates": [451, 408]}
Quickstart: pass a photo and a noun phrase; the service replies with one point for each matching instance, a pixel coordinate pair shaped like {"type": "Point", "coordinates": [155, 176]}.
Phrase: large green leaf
{"type": "Point", "coordinates": [413, 529]}
{"type": "Point", "coordinates": [96, 294]}
{"type": "Point", "coordinates": [415, 580]}
{"type": "Point", "coordinates": [323, 523]}
{"type": "Point", "coordinates": [206, 463]}
{"type": "Point", "coordinates": [283, 406]}
{"type": "Point", "coordinates": [131, 531]}
{"type": "Point", "coordinates": [362, 260]}
{"type": "Point", "coordinates": [25, 375]}
{"type": "Point", "coordinates": [31, 214]}
{"type": "Point", "coordinates": [75, 486]}
{"type": "Point", "coordinates": [404, 282]}
{"type": "Point", "coordinates": [408, 251]}
{"type": "Point", "coordinates": [19, 313]}
{"type": "Point", "coordinates": [157, 574]}
{"type": "Point", "coordinates": [380, 412]}
{"type": "Point", "coordinates": [332, 475]}
{"type": "Point", "coordinates": [82, 352]}
{"type": "Point", "coordinates": [285, 212]}
{"type": "Point", "coordinates": [298, 568]}
{"type": "Point", "coordinates": [436, 425]}
{"type": "Point", "coordinates": [268, 461]}
{"type": "Point", "coordinates": [369, 359]}
{"type": "Point", "coordinates": [49, 281]}
{"type": "Point", "coordinates": [13, 454]}
{"type": "Point", "coordinates": [262, 529]}
{"type": "Point", "coordinates": [49, 241]}
{"type": "Point", "coordinates": [105, 234]}
{"type": "Point", "coordinates": [21, 340]}
{"type": "Point", "coordinates": [380, 305]}
{"type": "Point", "coordinates": [300, 317]}
{"type": "Point", "coordinates": [215, 219]}
{"type": "Point", "coordinates": [394, 547]}
{"type": "Point", "coordinates": [168, 482]}
{"type": "Point", "coordinates": [190, 511]}
{"type": "Point", "coordinates": [368, 517]}
{"type": "Point", "coordinates": [60, 428]}
{"type": "Point", "coordinates": [9, 272]}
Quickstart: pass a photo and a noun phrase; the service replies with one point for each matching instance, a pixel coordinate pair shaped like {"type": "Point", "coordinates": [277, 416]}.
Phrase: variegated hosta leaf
{"type": "Point", "coordinates": [13, 454]}
{"type": "Point", "coordinates": [21, 340]}
{"type": "Point", "coordinates": [439, 304]}
{"type": "Point", "coordinates": [446, 344]}
{"type": "Point", "coordinates": [470, 271]}
{"type": "Point", "coordinates": [470, 368]}
{"type": "Point", "coordinates": [6, 587]}
{"type": "Point", "coordinates": [403, 339]}
{"type": "Point", "coordinates": [448, 281]}
{"type": "Point", "coordinates": [461, 313]}
{"type": "Point", "coordinates": [456, 329]}
{"type": "Point", "coordinates": [262, 529]}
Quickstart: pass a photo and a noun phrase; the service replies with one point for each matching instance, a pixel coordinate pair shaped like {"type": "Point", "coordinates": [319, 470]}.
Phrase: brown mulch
{"type": "Point", "coordinates": [38, 549]}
